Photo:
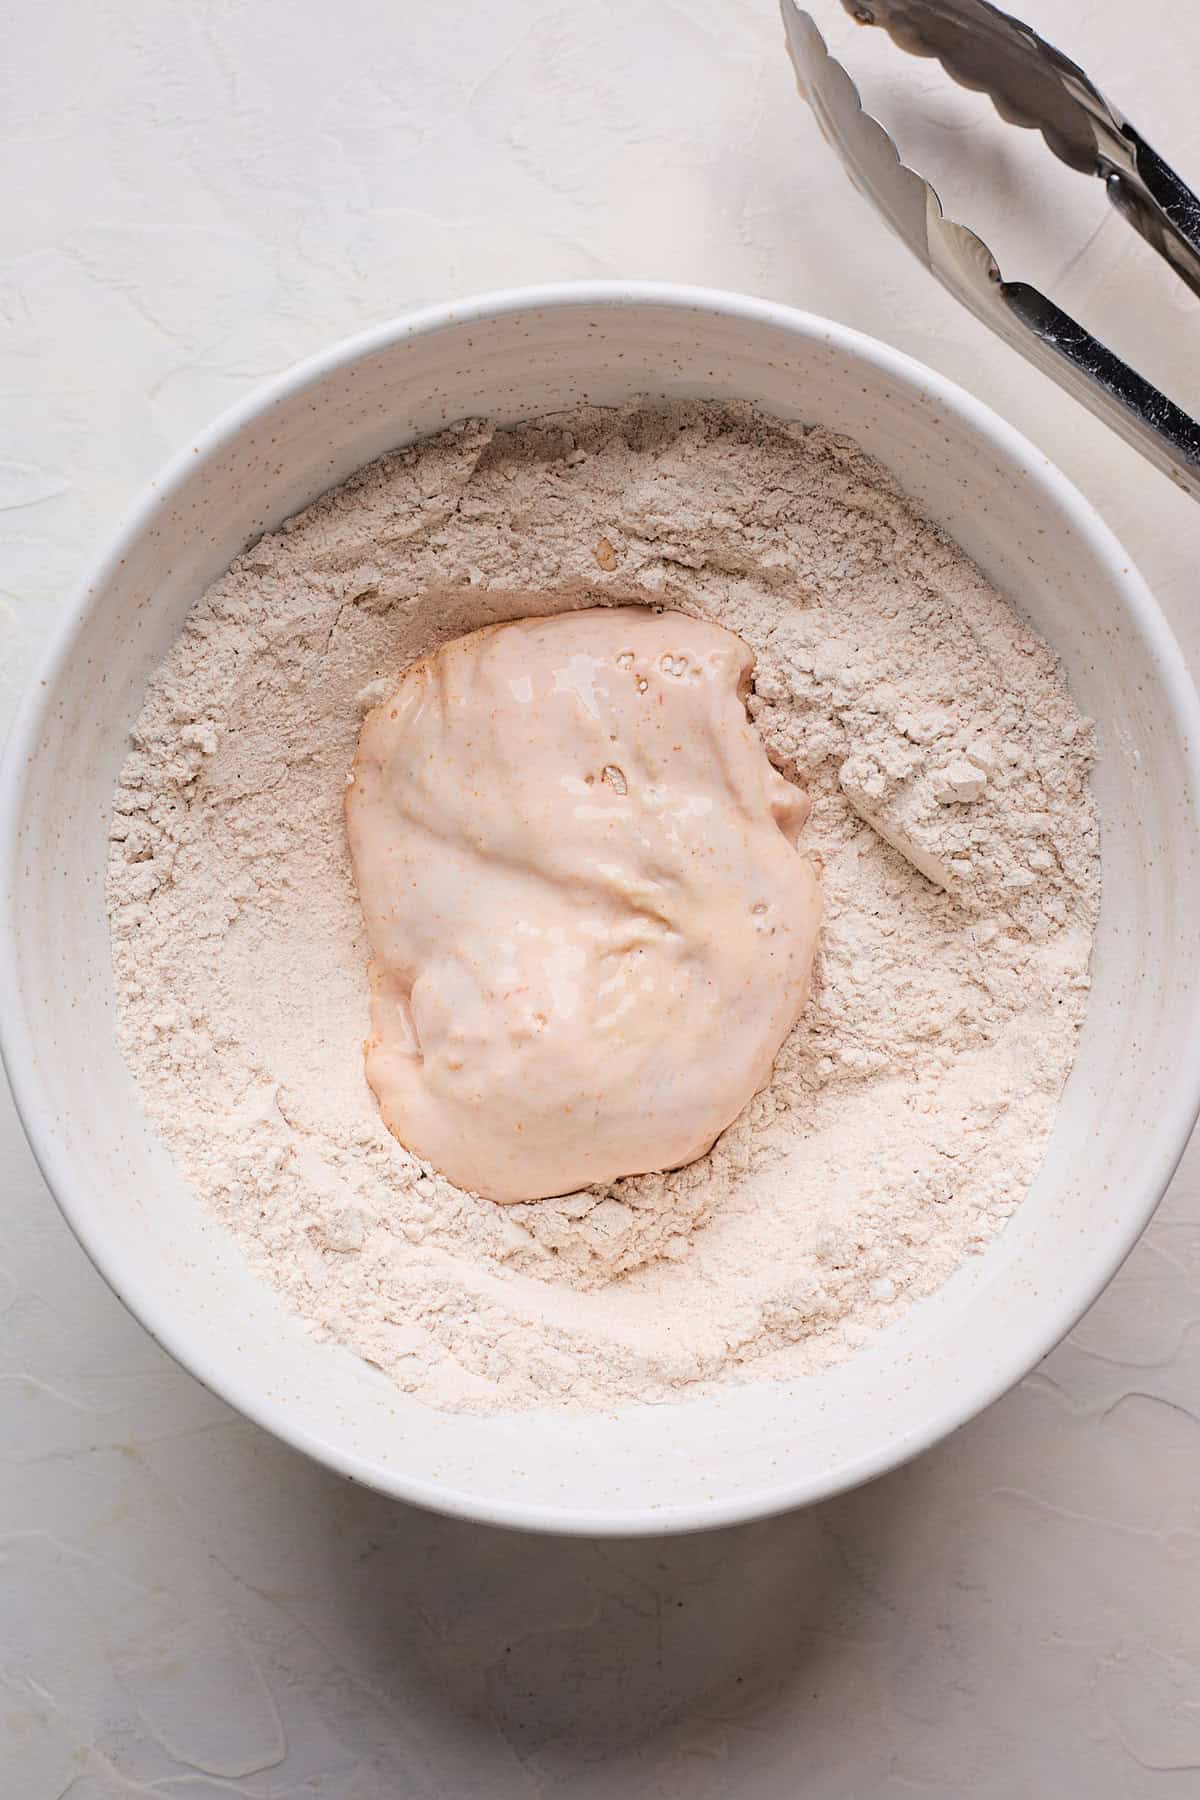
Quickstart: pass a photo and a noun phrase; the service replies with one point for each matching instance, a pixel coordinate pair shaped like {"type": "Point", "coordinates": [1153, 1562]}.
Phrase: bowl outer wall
{"type": "Point", "coordinates": [1129, 1107]}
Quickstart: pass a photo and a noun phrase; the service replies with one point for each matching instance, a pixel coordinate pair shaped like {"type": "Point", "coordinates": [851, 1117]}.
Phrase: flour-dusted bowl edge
{"type": "Point", "coordinates": [1129, 1106]}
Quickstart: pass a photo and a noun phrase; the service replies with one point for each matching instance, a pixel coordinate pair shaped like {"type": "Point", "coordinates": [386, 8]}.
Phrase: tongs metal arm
{"type": "Point", "coordinates": [1161, 206]}
{"type": "Point", "coordinates": [1030, 84]}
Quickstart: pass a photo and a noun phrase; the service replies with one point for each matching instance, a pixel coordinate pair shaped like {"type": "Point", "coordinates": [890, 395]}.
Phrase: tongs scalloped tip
{"type": "Point", "coordinates": [963, 263]}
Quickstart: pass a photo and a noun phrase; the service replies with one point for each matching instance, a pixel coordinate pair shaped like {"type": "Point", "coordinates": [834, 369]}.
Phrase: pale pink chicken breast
{"type": "Point", "coordinates": [591, 927]}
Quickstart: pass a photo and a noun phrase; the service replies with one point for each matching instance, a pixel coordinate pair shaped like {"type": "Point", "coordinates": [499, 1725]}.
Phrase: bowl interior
{"type": "Point", "coordinates": [1128, 1105]}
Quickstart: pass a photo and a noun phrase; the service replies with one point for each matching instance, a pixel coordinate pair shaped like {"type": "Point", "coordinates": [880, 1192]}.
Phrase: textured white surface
{"type": "Point", "coordinates": [202, 194]}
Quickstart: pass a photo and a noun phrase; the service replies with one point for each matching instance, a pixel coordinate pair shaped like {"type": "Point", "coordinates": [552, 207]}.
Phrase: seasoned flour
{"type": "Point", "coordinates": [908, 1110]}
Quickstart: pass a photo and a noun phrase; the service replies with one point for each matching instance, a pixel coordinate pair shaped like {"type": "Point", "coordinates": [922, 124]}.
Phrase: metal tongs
{"type": "Point", "coordinates": [1031, 84]}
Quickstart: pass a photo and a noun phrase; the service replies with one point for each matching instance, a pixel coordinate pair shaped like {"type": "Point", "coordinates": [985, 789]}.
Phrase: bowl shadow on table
{"type": "Point", "coordinates": [590, 1647]}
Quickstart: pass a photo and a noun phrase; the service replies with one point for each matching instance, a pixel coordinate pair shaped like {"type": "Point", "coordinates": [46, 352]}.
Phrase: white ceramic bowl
{"type": "Point", "coordinates": [1128, 1107]}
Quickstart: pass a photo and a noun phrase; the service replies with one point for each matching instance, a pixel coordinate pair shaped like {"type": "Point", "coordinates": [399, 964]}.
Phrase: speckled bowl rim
{"type": "Point", "coordinates": [1179, 1109]}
